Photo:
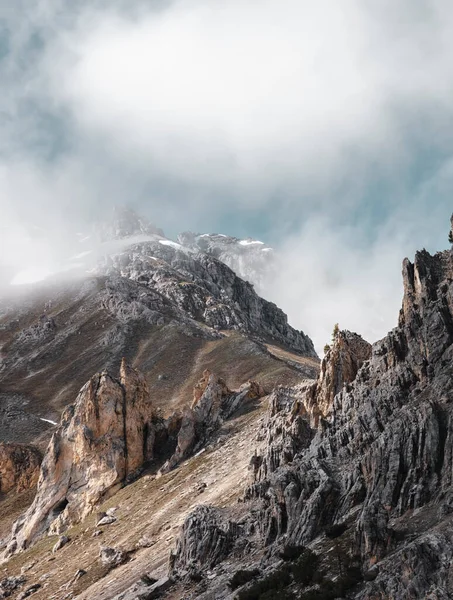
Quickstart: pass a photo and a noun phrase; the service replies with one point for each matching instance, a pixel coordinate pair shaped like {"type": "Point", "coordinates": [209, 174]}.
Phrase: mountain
{"type": "Point", "coordinates": [212, 456]}
{"type": "Point", "coordinates": [251, 259]}
{"type": "Point", "coordinates": [170, 310]}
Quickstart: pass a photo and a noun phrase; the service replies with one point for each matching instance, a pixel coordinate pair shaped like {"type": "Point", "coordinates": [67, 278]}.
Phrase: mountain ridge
{"type": "Point", "coordinates": [270, 475]}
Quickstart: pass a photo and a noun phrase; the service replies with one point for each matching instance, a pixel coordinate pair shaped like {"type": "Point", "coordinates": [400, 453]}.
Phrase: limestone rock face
{"type": "Point", "coordinates": [19, 467]}
{"type": "Point", "coordinates": [104, 438]}
{"type": "Point", "coordinates": [339, 367]}
{"type": "Point", "coordinates": [368, 449]}
{"type": "Point", "coordinates": [212, 403]}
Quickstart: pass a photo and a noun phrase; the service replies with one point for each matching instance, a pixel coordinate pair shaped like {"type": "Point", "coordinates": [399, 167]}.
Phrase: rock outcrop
{"type": "Point", "coordinates": [102, 440]}
{"type": "Point", "coordinates": [212, 403]}
{"type": "Point", "coordinates": [207, 537]}
{"type": "Point", "coordinates": [19, 467]}
{"type": "Point", "coordinates": [339, 367]}
{"type": "Point", "coordinates": [365, 455]}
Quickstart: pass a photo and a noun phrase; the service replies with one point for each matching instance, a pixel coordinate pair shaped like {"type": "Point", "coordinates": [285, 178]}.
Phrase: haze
{"type": "Point", "coordinates": [323, 129]}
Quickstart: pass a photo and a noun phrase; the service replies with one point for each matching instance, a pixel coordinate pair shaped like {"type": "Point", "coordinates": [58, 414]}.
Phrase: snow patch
{"type": "Point", "coordinates": [170, 243]}
{"type": "Point", "coordinates": [48, 421]}
{"type": "Point", "coordinates": [250, 242]}
{"type": "Point", "coordinates": [212, 235]}
{"type": "Point", "coordinates": [31, 275]}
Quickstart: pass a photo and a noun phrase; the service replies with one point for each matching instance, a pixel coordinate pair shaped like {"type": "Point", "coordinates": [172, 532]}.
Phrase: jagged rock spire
{"type": "Point", "coordinates": [105, 437]}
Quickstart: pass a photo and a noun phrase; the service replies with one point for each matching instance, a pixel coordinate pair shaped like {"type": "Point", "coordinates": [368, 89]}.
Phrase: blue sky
{"type": "Point", "coordinates": [313, 126]}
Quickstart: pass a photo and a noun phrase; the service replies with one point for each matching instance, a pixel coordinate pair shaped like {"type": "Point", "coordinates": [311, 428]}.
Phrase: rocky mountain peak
{"type": "Point", "coordinates": [124, 222]}
{"type": "Point", "coordinates": [251, 259]}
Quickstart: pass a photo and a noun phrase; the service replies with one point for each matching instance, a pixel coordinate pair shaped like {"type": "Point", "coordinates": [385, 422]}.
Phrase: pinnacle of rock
{"type": "Point", "coordinates": [106, 436]}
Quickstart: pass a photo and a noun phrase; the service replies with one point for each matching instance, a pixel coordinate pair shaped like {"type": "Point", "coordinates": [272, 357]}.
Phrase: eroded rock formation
{"type": "Point", "coordinates": [367, 451]}
{"type": "Point", "coordinates": [103, 439]}
{"type": "Point", "coordinates": [19, 467]}
{"type": "Point", "coordinates": [212, 403]}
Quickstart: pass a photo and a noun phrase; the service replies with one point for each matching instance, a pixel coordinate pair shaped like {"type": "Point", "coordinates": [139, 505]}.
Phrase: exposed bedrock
{"type": "Point", "coordinates": [103, 439]}
{"type": "Point", "coordinates": [368, 448]}
{"type": "Point", "coordinates": [19, 467]}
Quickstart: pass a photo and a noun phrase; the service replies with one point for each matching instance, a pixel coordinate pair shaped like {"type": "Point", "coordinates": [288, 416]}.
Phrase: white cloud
{"type": "Point", "coordinates": [287, 110]}
{"type": "Point", "coordinates": [261, 96]}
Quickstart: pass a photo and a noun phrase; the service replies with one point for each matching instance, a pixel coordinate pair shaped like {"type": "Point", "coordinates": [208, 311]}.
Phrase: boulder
{"type": "Point", "coordinates": [112, 557]}
{"type": "Point", "coordinates": [62, 541]}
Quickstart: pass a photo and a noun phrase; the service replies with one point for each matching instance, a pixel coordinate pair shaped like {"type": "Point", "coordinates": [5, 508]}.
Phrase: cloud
{"type": "Point", "coordinates": [283, 96]}
{"type": "Point", "coordinates": [322, 128]}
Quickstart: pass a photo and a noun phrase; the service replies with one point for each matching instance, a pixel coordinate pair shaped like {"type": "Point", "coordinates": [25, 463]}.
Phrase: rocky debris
{"type": "Point", "coordinates": [159, 587]}
{"type": "Point", "coordinates": [62, 541]}
{"type": "Point", "coordinates": [39, 333]}
{"type": "Point", "coordinates": [107, 520]}
{"type": "Point", "coordinates": [9, 585]}
{"type": "Point", "coordinates": [145, 542]}
{"type": "Point", "coordinates": [29, 591]}
{"type": "Point", "coordinates": [212, 403]}
{"type": "Point", "coordinates": [77, 575]}
{"type": "Point", "coordinates": [27, 567]}
{"type": "Point", "coordinates": [106, 436]}
{"type": "Point", "coordinates": [112, 557]}
{"type": "Point", "coordinates": [19, 467]}
{"type": "Point", "coordinates": [201, 488]}
{"type": "Point", "coordinates": [364, 455]}
{"type": "Point", "coordinates": [146, 591]}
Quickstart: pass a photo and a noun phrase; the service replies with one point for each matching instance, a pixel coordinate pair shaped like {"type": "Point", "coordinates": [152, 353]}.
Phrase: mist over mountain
{"type": "Point", "coordinates": [144, 373]}
{"type": "Point", "coordinates": [220, 377]}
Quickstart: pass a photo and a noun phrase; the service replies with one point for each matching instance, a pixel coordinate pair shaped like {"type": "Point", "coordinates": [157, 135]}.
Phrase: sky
{"type": "Point", "coordinates": [323, 128]}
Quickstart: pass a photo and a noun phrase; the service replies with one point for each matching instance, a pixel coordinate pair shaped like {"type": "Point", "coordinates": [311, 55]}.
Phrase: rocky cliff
{"type": "Point", "coordinates": [103, 439]}
{"type": "Point", "coordinates": [19, 467]}
{"type": "Point", "coordinates": [371, 470]}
